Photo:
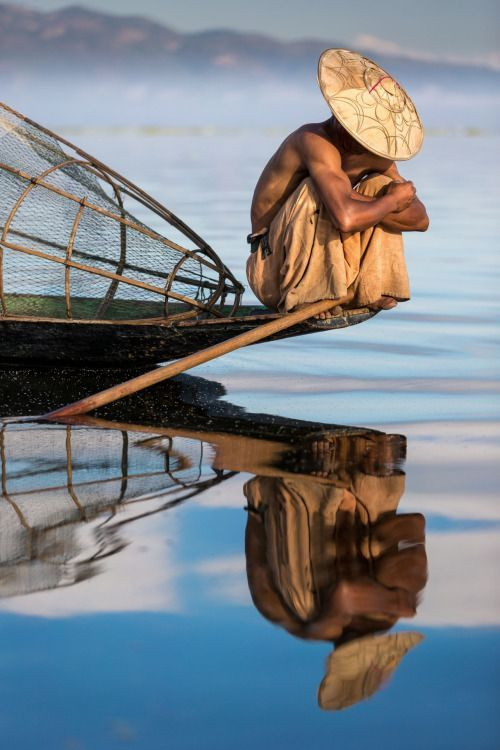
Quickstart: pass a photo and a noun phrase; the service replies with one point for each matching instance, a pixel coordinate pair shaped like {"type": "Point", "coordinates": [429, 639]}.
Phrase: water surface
{"type": "Point", "coordinates": [127, 615]}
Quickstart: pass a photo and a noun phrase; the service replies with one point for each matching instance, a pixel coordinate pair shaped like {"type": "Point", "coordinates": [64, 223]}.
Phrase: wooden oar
{"type": "Point", "coordinates": [186, 363]}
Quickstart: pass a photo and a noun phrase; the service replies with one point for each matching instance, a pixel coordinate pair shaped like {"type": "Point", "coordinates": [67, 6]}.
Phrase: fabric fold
{"type": "Point", "coordinates": [311, 260]}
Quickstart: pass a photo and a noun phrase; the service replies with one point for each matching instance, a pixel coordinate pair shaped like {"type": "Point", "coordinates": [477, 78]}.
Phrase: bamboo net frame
{"type": "Point", "coordinates": [70, 241]}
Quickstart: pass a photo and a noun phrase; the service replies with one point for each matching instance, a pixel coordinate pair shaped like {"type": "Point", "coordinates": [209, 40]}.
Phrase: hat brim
{"type": "Point", "coordinates": [356, 670]}
{"type": "Point", "coordinates": [383, 121]}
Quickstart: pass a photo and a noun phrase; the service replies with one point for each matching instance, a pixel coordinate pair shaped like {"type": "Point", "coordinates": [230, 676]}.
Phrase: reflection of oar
{"type": "Point", "coordinates": [175, 368]}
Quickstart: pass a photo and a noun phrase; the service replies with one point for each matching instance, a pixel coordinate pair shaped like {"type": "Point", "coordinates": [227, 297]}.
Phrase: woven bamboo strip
{"type": "Point", "coordinates": [69, 250]}
{"type": "Point", "coordinates": [124, 466]}
{"type": "Point", "coordinates": [162, 321]}
{"type": "Point", "coordinates": [110, 275]}
{"type": "Point", "coordinates": [5, 494]}
{"type": "Point", "coordinates": [69, 475]}
{"type": "Point", "coordinates": [123, 243]}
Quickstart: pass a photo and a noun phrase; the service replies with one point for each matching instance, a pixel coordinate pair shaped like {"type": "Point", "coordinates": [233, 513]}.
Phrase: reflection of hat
{"type": "Point", "coordinates": [370, 104]}
{"type": "Point", "coordinates": [357, 669]}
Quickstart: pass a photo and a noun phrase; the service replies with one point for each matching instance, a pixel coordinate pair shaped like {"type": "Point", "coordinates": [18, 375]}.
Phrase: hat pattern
{"type": "Point", "coordinates": [370, 104]}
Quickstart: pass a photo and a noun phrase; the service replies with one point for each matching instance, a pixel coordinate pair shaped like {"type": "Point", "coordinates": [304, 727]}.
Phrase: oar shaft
{"type": "Point", "coordinates": [175, 368]}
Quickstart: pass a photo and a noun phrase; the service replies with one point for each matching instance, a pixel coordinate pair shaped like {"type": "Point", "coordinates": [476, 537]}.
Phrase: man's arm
{"type": "Point", "coordinates": [323, 163]}
{"type": "Point", "coordinates": [411, 219]}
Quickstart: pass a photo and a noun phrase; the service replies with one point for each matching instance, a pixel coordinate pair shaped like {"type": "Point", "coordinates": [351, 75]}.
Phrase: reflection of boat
{"type": "Point", "coordinates": [68, 489]}
{"type": "Point", "coordinates": [183, 401]}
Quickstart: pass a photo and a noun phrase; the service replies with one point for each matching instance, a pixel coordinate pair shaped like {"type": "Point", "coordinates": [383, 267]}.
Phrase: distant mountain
{"type": "Point", "coordinates": [88, 42]}
{"type": "Point", "coordinates": [77, 37]}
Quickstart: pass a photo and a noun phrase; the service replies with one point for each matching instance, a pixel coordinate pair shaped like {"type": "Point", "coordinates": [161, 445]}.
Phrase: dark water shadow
{"type": "Point", "coordinates": [185, 400]}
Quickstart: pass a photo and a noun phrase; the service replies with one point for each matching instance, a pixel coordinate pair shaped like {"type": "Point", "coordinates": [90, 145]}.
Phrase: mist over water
{"type": "Point", "coordinates": [69, 99]}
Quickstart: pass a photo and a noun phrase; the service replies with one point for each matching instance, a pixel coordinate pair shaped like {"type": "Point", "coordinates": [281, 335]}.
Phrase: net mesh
{"type": "Point", "coordinates": [71, 245]}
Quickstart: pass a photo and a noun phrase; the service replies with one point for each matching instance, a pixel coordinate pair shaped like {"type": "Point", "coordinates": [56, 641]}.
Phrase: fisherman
{"type": "Point", "coordinates": [330, 207]}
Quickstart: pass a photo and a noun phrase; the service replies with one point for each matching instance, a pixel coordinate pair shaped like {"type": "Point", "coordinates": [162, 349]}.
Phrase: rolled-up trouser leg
{"type": "Point", "coordinates": [311, 260]}
{"type": "Point", "coordinates": [375, 257]}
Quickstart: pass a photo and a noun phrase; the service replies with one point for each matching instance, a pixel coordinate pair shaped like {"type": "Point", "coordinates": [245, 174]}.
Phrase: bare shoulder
{"type": "Point", "coordinates": [312, 135]}
{"type": "Point", "coordinates": [315, 145]}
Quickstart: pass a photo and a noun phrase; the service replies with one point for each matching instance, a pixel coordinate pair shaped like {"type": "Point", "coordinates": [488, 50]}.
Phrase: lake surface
{"type": "Point", "coordinates": [216, 563]}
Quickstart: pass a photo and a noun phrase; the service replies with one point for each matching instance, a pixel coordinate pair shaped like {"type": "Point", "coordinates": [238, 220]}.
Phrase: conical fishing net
{"type": "Point", "coordinates": [78, 241]}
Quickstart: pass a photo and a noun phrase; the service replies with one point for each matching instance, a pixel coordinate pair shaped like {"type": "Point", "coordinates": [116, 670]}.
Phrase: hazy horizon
{"type": "Point", "coordinates": [449, 29]}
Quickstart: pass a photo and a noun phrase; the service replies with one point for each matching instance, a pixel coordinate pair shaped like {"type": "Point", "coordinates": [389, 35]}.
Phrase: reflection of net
{"type": "Point", "coordinates": [71, 248]}
{"type": "Point", "coordinates": [65, 492]}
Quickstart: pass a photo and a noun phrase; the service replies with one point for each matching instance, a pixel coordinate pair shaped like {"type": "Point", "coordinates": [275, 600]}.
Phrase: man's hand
{"type": "Point", "coordinates": [396, 208]}
{"type": "Point", "coordinates": [403, 193]}
{"type": "Point", "coordinates": [410, 216]}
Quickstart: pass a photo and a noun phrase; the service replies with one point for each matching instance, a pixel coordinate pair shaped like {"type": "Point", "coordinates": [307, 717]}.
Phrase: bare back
{"type": "Point", "coordinates": [284, 171]}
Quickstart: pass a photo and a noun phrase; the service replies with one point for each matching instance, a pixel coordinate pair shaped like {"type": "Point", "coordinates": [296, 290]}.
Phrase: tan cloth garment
{"type": "Point", "coordinates": [311, 260]}
{"type": "Point", "coordinates": [300, 552]}
{"type": "Point", "coordinates": [300, 522]}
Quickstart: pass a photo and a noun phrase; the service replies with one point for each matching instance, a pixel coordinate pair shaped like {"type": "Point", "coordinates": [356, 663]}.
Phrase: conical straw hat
{"type": "Point", "coordinates": [356, 670]}
{"type": "Point", "coordinates": [370, 104]}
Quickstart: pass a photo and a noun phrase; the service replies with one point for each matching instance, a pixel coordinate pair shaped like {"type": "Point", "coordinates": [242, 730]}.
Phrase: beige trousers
{"type": "Point", "coordinates": [311, 260]}
{"type": "Point", "coordinates": [300, 520]}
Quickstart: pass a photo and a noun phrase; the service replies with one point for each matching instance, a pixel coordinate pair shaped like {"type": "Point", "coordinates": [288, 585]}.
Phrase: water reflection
{"type": "Point", "coordinates": [328, 556]}
{"type": "Point", "coordinates": [67, 491]}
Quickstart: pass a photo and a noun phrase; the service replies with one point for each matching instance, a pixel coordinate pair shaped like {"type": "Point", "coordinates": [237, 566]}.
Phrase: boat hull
{"type": "Point", "coordinates": [26, 342]}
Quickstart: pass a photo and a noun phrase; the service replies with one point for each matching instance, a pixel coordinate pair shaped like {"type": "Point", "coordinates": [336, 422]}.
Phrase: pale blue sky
{"type": "Point", "coordinates": [452, 28]}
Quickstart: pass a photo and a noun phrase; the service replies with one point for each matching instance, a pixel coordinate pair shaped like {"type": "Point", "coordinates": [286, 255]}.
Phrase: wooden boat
{"type": "Point", "coordinates": [45, 340]}
{"type": "Point", "coordinates": [83, 282]}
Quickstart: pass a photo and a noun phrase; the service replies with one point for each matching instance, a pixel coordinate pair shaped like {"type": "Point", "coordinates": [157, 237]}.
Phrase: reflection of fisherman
{"type": "Point", "coordinates": [323, 561]}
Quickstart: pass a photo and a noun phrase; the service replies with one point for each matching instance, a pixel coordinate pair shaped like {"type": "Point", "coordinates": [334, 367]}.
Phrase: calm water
{"type": "Point", "coordinates": [143, 606]}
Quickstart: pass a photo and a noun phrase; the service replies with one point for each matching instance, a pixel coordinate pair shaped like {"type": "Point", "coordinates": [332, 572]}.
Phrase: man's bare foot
{"type": "Point", "coordinates": [323, 453]}
{"type": "Point", "coordinates": [336, 310]}
{"type": "Point", "coordinates": [384, 303]}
